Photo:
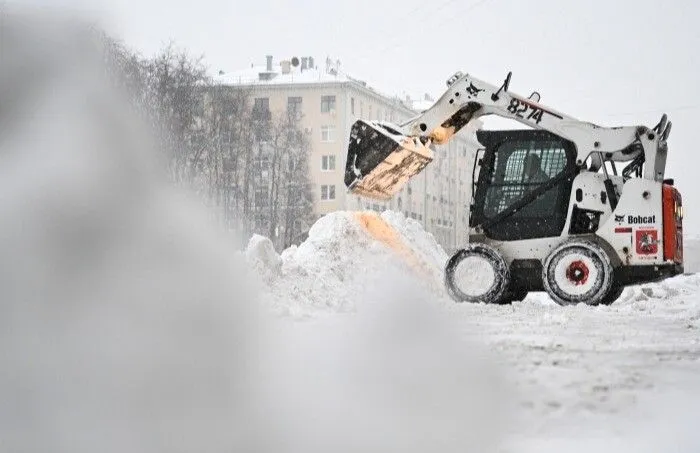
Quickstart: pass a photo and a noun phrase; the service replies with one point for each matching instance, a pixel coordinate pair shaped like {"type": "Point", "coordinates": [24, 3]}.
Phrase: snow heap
{"type": "Point", "coordinates": [263, 258]}
{"type": "Point", "coordinates": [344, 252]}
{"type": "Point", "coordinates": [347, 254]}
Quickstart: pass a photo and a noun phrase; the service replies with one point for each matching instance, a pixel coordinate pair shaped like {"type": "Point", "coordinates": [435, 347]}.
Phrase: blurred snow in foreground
{"type": "Point", "coordinates": [129, 324]}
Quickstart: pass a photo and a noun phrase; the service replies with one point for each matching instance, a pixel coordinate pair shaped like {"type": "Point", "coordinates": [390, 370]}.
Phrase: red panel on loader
{"type": "Point", "coordinates": [673, 224]}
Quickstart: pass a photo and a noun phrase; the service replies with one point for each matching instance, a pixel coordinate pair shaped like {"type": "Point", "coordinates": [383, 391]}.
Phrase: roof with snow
{"type": "Point", "coordinates": [259, 75]}
{"type": "Point", "coordinates": [283, 73]}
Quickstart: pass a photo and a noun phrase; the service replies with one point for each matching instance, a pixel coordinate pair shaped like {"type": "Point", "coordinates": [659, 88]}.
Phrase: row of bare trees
{"type": "Point", "coordinates": [249, 165]}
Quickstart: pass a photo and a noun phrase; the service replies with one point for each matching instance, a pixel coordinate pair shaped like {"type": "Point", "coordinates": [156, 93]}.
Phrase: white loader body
{"type": "Point", "coordinates": [549, 209]}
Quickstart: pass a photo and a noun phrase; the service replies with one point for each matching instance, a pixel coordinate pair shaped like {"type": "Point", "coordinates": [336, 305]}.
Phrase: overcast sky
{"type": "Point", "coordinates": [612, 62]}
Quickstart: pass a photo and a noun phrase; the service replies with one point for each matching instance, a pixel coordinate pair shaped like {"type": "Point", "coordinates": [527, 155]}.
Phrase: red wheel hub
{"type": "Point", "coordinates": [577, 272]}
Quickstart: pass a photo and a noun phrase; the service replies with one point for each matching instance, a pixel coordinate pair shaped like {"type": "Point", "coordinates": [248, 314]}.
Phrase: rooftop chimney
{"type": "Point", "coordinates": [304, 63]}
{"type": "Point", "coordinates": [269, 63]}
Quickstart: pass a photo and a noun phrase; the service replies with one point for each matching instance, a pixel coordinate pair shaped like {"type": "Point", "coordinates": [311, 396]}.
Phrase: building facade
{"type": "Point", "coordinates": [328, 102]}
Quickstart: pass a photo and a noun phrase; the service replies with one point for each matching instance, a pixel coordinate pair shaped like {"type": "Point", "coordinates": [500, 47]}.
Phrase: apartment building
{"type": "Point", "coordinates": [329, 102]}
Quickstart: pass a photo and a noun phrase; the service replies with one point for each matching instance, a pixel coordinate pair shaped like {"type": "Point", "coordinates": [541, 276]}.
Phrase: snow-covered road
{"type": "Point", "coordinates": [626, 375]}
{"type": "Point", "coordinates": [580, 370]}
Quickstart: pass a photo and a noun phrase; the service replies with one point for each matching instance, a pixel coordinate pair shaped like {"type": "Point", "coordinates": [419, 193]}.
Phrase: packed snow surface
{"type": "Point", "coordinates": [624, 377]}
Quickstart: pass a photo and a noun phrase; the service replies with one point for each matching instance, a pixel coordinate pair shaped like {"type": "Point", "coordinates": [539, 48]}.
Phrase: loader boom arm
{"type": "Point", "coordinates": [468, 98]}
{"type": "Point", "coordinates": [384, 156]}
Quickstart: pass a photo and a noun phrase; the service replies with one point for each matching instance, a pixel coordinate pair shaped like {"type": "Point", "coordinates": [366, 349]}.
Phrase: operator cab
{"type": "Point", "coordinates": [524, 184]}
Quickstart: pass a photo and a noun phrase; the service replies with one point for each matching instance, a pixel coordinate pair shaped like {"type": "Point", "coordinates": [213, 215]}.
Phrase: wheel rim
{"type": "Point", "coordinates": [474, 276]}
{"type": "Point", "coordinates": [578, 274]}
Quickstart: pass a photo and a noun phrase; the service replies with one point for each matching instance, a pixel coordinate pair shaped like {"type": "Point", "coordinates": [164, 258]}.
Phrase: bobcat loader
{"type": "Point", "coordinates": [550, 208]}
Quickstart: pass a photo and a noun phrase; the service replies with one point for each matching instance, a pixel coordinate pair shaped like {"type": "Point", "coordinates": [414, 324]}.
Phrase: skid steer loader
{"type": "Point", "coordinates": [550, 209]}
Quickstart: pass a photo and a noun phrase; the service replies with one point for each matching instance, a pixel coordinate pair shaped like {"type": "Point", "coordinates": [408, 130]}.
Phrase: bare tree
{"type": "Point", "coordinates": [298, 201]}
{"type": "Point", "coordinates": [174, 83]}
{"type": "Point", "coordinates": [280, 178]}
{"type": "Point", "coordinates": [248, 164]}
{"type": "Point", "coordinates": [125, 68]}
{"type": "Point", "coordinates": [229, 159]}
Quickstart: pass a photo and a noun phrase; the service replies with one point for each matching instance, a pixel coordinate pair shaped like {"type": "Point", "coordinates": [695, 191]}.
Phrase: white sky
{"type": "Point", "coordinates": [612, 62]}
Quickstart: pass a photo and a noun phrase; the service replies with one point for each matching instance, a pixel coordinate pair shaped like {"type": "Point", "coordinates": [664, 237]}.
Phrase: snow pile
{"type": "Point", "coordinates": [347, 253]}
{"type": "Point", "coordinates": [263, 258]}
{"type": "Point", "coordinates": [422, 243]}
{"type": "Point", "coordinates": [344, 252]}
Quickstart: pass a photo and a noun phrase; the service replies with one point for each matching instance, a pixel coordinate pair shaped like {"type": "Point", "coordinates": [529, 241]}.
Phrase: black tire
{"type": "Point", "coordinates": [496, 291]}
{"type": "Point", "coordinates": [614, 294]}
{"type": "Point", "coordinates": [578, 271]}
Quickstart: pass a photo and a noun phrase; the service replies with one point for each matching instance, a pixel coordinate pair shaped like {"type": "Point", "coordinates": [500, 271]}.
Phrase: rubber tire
{"type": "Point", "coordinates": [614, 294]}
{"type": "Point", "coordinates": [597, 256]}
{"type": "Point", "coordinates": [496, 294]}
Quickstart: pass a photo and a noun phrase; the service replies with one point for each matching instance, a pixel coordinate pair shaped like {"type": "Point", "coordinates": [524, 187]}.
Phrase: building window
{"type": "Point", "coordinates": [294, 105]}
{"type": "Point", "coordinates": [352, 106]}
{"type": "Point", "coordinates": [261, 131]}
{"type": "Point", "coordinates": [327, 103]}
{"type": "Point", "coordinates": [362, 109]}
{"type": "Point", "coordinates": [261, 108]}
{"type": "Point", "coordinates": [261, 197]}
{"type": "Point", "coordinates": [327, 134]}
{"type": "Point", "coordinates": [327, 163]}
{"type": "Point", "coordinates": [327, 192]}
{"type": "Point", "coordinates": [262, 163]}
{"type": "Point", "coordinates": [369, 115]}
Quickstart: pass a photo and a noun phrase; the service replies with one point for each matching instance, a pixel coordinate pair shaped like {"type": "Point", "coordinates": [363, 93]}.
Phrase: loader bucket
{"type": "Point", "coordinates": [381, 160]}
